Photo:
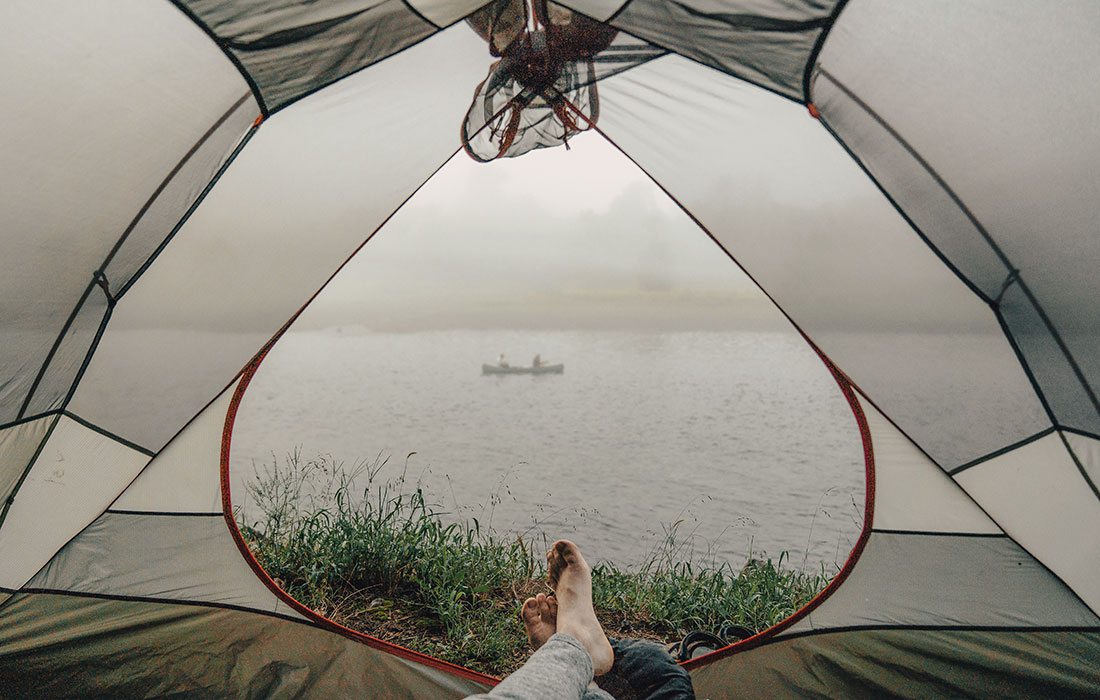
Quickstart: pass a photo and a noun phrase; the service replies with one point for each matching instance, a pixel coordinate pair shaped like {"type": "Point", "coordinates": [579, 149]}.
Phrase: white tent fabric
{"type": "Point", "coordinates": [158, 556]}
{"type": "Point", "coordinates": [1086, 452]}
{"type": "Point", "coordinates": [1034, 491]}
{"type": "Point", "coordinates": [18, 445]}
{"type": "Point", "coordinates": [912, 493]}
{"type": "Point", "coordinates": [919, 545]}
{"type": "Point", "coordinates": [185, 476]}
{"type": "Point", "coordinates": [149, 147]}
{"type": "Point", "coordinates": [75, 466]}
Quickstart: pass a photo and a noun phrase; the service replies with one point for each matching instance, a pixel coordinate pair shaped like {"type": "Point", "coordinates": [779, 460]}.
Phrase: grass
{"type": "Point", "coordinates": [375, 555]}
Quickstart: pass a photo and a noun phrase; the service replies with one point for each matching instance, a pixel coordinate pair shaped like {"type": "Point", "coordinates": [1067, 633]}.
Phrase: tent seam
{"type": "Point", "coordinates": [163, 513]}
{"type": "Point", "coordinates": [107, 434]}
{"type": "Point", "coordinates": [815, 52]}
{"type": "Point", "coordinates": [1002, 451]}
{"type": "Point", "coordinates": [190, 210]}
{"type": "Point", "coordinates": [438, 30]}
{"type": "Point", "coordinates": [92, 347]}
{"type": "Point", "coordinates": [57, 343]}
{"type": "Point", "coordinates": [696, 61]}
{"type": "Point", "coordinates": [224, 48]}
{"type": "Point", "coordinates": [1020, 357]}
{"type": "Point", "coordinates": [1078, 431]}
{"type": "Point", "coordinates": [1088, 629]}
{"type": "Point", "coordinates": [408, 5]}
{"type": "Point", "coordinates": [159, 601]}
{"type": "Point", "coordinates": [1077, 463]}
{"type": "Point", "coordinates": [613, 16]}
{"type": "Point", "coordinates": [29, 419]}
{"type": "Point", "coordinates": [933, 533]}
{"type": "Point", "coordinates": [168, 179]}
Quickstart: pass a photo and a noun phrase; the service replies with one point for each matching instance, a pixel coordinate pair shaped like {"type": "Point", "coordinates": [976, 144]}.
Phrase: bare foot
{"type": "Point", "coordinates": [540, 618]}
{"type": "Point", "coordinates": [571, 577]}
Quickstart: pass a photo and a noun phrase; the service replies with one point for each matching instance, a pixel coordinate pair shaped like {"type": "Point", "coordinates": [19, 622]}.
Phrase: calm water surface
{"type": "Point", "coordinates": [742, 438]}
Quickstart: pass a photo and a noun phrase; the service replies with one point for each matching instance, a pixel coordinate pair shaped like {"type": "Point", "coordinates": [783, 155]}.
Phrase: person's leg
{"type": "Point", "coordinates": [561, 669]}
{"type": "Point", "coordinates": [644, 670]}
{"type": "Point", "coordinates": [571, 578]}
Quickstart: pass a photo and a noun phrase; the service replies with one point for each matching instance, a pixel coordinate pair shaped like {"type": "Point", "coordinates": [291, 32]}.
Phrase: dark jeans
{"type": "Point", "coordinates": [644, 670]}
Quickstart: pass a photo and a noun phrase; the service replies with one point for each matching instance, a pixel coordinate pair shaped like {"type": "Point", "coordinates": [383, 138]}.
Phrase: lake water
{"type": "Point", "coordinates": [741, 437]}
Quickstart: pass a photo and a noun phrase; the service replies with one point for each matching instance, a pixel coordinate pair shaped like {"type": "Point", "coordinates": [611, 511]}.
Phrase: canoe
{"type": "Point", "coordinates": [544, 369]}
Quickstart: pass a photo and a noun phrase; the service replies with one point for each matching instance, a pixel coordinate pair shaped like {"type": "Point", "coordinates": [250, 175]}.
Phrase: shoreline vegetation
{"type": "Point", "coordinates": [376, 556]}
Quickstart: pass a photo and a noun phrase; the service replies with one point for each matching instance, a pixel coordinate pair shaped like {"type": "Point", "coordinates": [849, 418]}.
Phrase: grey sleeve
{"type": "Point", "coordinates": [560, 670]}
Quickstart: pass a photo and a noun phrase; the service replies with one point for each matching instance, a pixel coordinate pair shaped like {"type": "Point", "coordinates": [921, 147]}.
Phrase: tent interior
{"type": "Point", "coordinates": [181, 165]}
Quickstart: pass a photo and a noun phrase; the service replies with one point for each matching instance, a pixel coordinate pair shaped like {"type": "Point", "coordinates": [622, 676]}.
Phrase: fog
{"type": "Point", "coordinates": [576, 238]}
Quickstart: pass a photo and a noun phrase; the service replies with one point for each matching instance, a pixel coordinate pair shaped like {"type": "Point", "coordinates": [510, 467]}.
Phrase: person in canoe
{"type": "Point", "coordinates": [537, 361]}
{"type": "Point", "coordinates": [501, 362]}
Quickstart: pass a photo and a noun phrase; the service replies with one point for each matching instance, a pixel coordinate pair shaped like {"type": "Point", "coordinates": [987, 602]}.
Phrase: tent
{"type": "Point", "coordinates": [131, 129]}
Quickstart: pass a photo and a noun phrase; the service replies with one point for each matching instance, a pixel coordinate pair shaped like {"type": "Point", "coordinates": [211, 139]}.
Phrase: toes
{"type": "Point", "coordinates": [530, 611]}
{"type": "Point", "coordinates": [543, 605]}
{"type": "Point", "coordinates": [563, 554]}
{"type": "Point", "coordinates": [567, 551]}
{"type": "Point", "coordinates": [554, 565]}
{"type": "Point", "coordinates": [551, 613]}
